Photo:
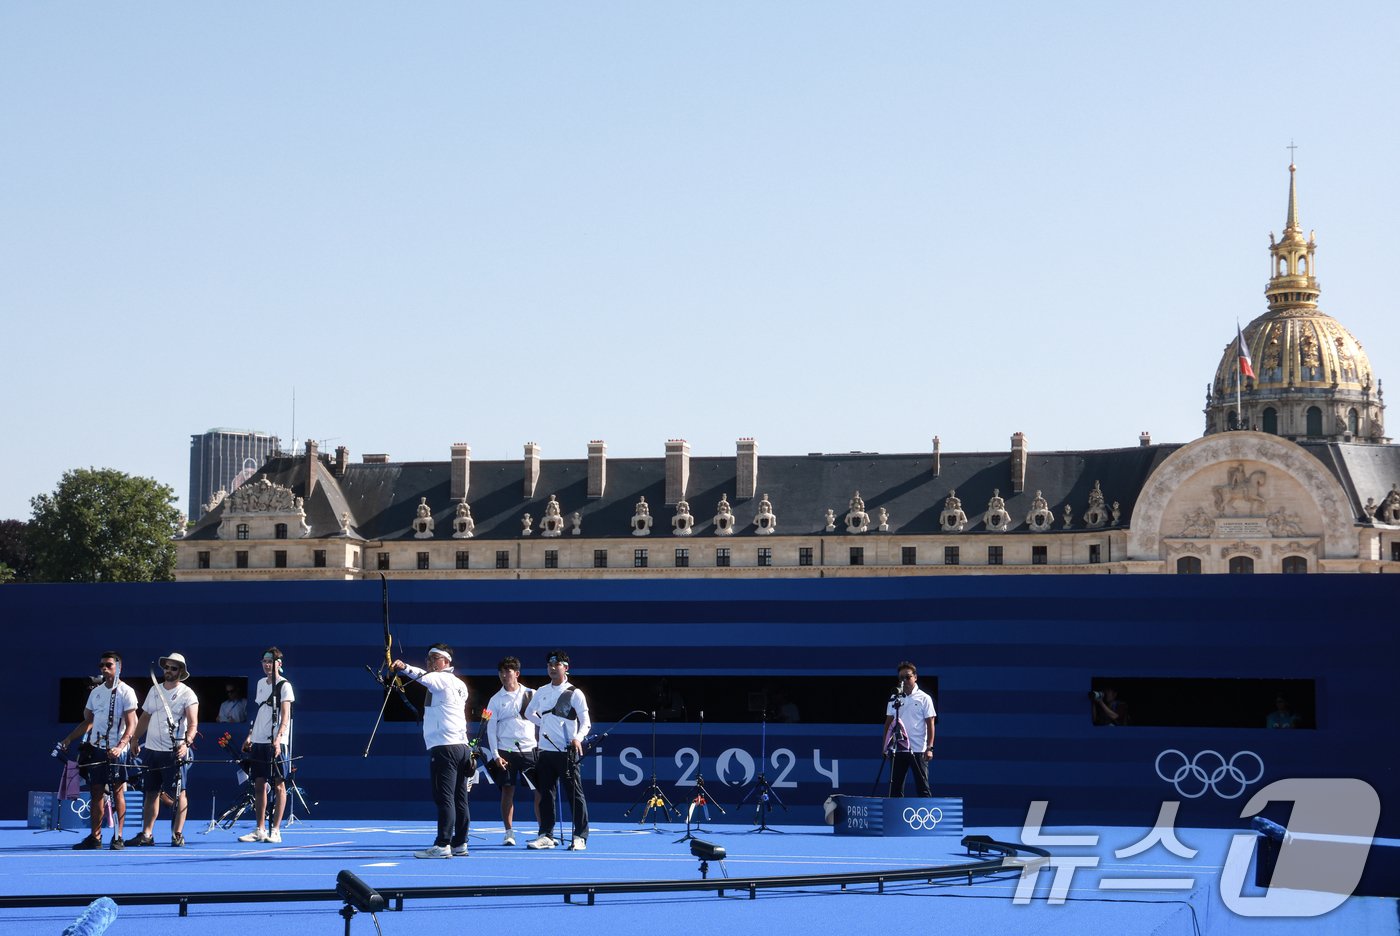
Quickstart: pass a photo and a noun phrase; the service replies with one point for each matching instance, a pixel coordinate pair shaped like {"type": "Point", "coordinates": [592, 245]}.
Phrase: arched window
{"type": "Point", "coordinates": [1271, 420]}
{"type": "Point", "coordinates": [1188, 565]}
{"type": "Point", "coordinates": [1241, 565]}
{"type": "Point", "coordinates": [1295, 565]}
{"type": "Point", "coordinates": [1353, 421]}
{"type": "Point", "coordinates": [1303, 266]}
{"type": "Point", "coordinates": [1314, 421]}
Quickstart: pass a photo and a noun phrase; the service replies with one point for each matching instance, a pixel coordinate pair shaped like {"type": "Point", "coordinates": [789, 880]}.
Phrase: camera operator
{"type": "Point", "coordinates": [909, 732]}
{"type": "Point", "coordinates": [1108, 708]}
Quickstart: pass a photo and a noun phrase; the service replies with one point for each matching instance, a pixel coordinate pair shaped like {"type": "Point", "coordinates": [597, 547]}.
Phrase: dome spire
{"type": "Point", "coordinates": [1292, 284]}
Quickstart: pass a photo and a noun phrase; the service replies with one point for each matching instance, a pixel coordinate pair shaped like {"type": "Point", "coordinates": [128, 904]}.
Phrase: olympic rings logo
{"type": "Point", "coordinates": [1209, 771]}
{"type": "Point", "coordinates": [923, 817]}
{"type": "Point", "coordinates": [82, 807]}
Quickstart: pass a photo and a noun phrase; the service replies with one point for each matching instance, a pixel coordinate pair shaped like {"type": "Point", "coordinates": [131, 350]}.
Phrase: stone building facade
{"type": "Point", "coordinates": [1294, 475]}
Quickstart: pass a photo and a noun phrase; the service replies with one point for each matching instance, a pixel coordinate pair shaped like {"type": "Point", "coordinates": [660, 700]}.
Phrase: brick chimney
{"type": "Point", "coordinates": [461, 470]}
{"type": "Point", "coordinates": [342, 460]}
{"type": "Point", "coordinates": [746, 467]}
{"type": "Point", "coordinates": [677, 469]}
{"type": "Point", "coordinates": [1145, 439]}
{"type": "Point", "coordinates": [532, 468]}
{"type": "Point", "coordinates": [1019, 455]}
{"type": "Point", "coordinates": [597, 467]}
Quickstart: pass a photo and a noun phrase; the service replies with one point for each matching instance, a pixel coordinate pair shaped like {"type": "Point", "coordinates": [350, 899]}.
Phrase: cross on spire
{"type": "Point", "coordinates": [1291, 147]}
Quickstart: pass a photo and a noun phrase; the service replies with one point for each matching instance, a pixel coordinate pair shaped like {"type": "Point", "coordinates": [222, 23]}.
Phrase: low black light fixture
{"type": "Point", "coordinates": [359, 897]}
{"type": "Point", "coordinates": [708, 852]}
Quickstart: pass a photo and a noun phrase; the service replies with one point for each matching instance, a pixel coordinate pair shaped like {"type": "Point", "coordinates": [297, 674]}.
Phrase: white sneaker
{"type": "Point", "coordinates": [578, 844]}
{"type": "Point", "coordinates": [437, 851]}
{"type": "Point", "coordinates": [460, 851]}
{"type": "Point", "coordinates": [257, 835]}
{"type": "Point", "coordinates": [544, 841]}
{"type": "Point", "coordinates": [510, 837]}
{"type": "Point", "coordinates": [274, 836]}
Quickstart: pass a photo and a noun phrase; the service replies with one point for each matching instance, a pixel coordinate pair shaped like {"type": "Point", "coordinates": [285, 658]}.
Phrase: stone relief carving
{"type": "Point", "coordinates": [1237, 548]}
{"type": "Point", "coordinates": [952, 519]}
{"type": "Point", "coordinates": [345, 523]}
{"type": "Point", "coordinates": [1041, 517]}
{"type": "Point", "coordinates": [766, 521]}
{"type": "Point", "coordinates": [1283, 523]}
{"type": "Point", "coordinates": [996, 518]}
{"type": "Point", "coordinates": [1117, 512]}
{"type": "Point", "coordinates": [215, 500]}
{"type": "Point", "coordinates": [1369, 511]}
{"type": "Point", "coordinates": [552, 523]}
{"type": "Point", "coordinates": [183, 528]}
{"type": "Point", "coordinates": [724, 517]}
{"type": "Point", "coordinates": [423, 522]}
{"type": "Point", "coordinates": [261, 496]}
{"type": "Point", "coordinates": [463, 526]}
{"type": "Point", "coordinates": [1242, 494]}
{"type": "Point", "coordinates": [682, 524]}
{"type": "Point", "coordinates": [1198, 549]}
{"type": "Point", "coordinates": [641, 518]}
{"type": "Point", "coordinates": [830, 520]}
{"type": "Point", "coordinates": [1198, 523]}
{"type": "Point", "coordinates": [576, 519]}
{"type": "Point", "coordinates": [525, 523]}
{"type": "Point", "coordinates": [1069, 516]}
{"type": "Point", "coordinates": [1096, 516]}
{"type": "Point", "coordinates": [883, 521]}
{"type": "Point", "coordinates": [1294, 547]}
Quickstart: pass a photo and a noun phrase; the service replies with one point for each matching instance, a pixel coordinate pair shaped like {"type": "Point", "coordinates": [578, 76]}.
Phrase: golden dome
{"type": "Point", "coordinates": [1297, 348]}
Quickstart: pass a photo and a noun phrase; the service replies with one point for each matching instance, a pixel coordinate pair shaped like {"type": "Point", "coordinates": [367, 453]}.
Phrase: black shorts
{"type": "Point", "coordinates": [101, 771]}
{"type": "Point", "coordinates": [518, 763]}
{"type": "Point", "coordinates": [263, 766]}
{"type": "Point", "coordinates": [162, 772]}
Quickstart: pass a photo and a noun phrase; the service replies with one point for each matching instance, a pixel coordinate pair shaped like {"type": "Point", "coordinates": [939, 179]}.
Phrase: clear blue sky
{"type": "Point", "coordinates": [826, 226]}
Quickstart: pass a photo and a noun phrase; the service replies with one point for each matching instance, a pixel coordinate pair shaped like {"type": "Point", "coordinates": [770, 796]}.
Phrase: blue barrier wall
{"type": "Point", "coordinates": [1012, 657]}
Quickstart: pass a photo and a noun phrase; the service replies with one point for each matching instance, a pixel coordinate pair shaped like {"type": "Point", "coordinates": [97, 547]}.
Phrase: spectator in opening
{"type": "Point", "coordinates": [1281, 716]}
{"type": "Point", "coordinates": [1108, 708]}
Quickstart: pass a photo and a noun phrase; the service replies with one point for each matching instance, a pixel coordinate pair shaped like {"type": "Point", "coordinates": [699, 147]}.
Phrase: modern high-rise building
{"type": "Point", "coordinates": [221, 460]}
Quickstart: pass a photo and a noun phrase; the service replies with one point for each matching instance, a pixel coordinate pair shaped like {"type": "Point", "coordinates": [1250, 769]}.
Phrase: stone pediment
{"type": "Point", "coordinates": [262, 496]}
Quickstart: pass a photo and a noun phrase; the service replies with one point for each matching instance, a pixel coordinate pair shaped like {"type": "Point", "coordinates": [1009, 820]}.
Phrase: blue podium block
{"type": "Point", "coordinates": [908, 816]}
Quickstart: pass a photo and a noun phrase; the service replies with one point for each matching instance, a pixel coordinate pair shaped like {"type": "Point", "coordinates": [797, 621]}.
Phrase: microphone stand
{"type": "Point", "coordinates": [654, 798]}
{"type": "Point", "coordinates": [699, 796]}
{"type": "Point", "coordinates": [765, 795]}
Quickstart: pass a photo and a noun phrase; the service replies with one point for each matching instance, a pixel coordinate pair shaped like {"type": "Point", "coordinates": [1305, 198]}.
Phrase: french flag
{"type": "Point", "coordinates": [1246, 365]}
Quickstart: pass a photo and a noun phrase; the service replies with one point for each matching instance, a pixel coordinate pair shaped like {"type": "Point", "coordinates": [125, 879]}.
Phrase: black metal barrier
{"type": "Point", "coordinates": [1008, 857]}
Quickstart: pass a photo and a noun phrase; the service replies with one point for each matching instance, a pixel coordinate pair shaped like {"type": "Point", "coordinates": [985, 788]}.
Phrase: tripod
{"type": "Point", "coordinates": [897, 735]}
{"type": "Point", "coordinates": [699, 796]}
{"type": "Point", "coordinates": [653, 796]}
{"type": "Point", "coordinates": [760, 789]}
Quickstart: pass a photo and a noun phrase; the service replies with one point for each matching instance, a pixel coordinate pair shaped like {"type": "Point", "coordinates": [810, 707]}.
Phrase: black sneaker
{"type": "Point", "coordinates": [117, 843]}
{"type": "Point", "coordinates": [177, 839]}
{"type": "Point", "coordinates": [88, 843]}
{"type": "Point", "coordinates": [142, 839]}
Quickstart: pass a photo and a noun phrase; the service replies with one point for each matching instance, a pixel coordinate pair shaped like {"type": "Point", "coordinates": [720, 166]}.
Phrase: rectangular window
{"type": "Point", "coordinates": [994, 555]}
{"type": "Point", "coordinates": [279, 531]}
{"type": "Point", "coordinates": [804, 556]}
{"type": "Point", "coordinates": [950, 555]}
{"type": "Point", "coordinates": [464, 559]}
{"type": "Point", "coordinates": [503, 558]}
{"type": "Point", "coordinates": [1395, 552]}
{"type": "Point", "coordinates": [383, 561]}
{"type": "Point", "coordinates": [551, 558]}
{"type": "Point", "coordinates": [857, 555]}
{"type": "Point", "coordinates": [1095, 556]}
{"type": "Point", "coordinates": [909, 555]}
{"type": "Point", "coordinates": [240, 559]}
{"type": "Point", "coordinates": [422, 560]}
{"type": "Point", "coordinates": [682, 558]}
{"type": "Point", "coordinates": [279, 559]}
{"type": "Point", "coordinates": [765, 556]}
{"type": "Point", "coordinates": [722, 556]}
{"type": "Point", "coordinates": [639, 558]}
{"type": "Point", "coordinates": [1039, 555]}
{"type": "Point", "coordinates": [203, 559]}
{"type": "Point", "coordinates": [243, 531]}
{"type": "Point", "coordinates": [600, 558]}
{"type": "Point", "coordinates": [318, 558]}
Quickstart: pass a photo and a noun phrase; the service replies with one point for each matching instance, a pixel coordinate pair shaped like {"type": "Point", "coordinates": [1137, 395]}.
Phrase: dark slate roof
{"type": "Point", "coordinates": [1365, 471]}
{"type": "Point", "coordinates": [382, 499]}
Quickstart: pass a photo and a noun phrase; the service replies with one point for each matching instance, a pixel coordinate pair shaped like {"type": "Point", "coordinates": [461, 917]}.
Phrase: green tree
{"type": "Point", "coordinates": [14, 550]}
{"type": "Point", "coordinates": [102, 525]}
